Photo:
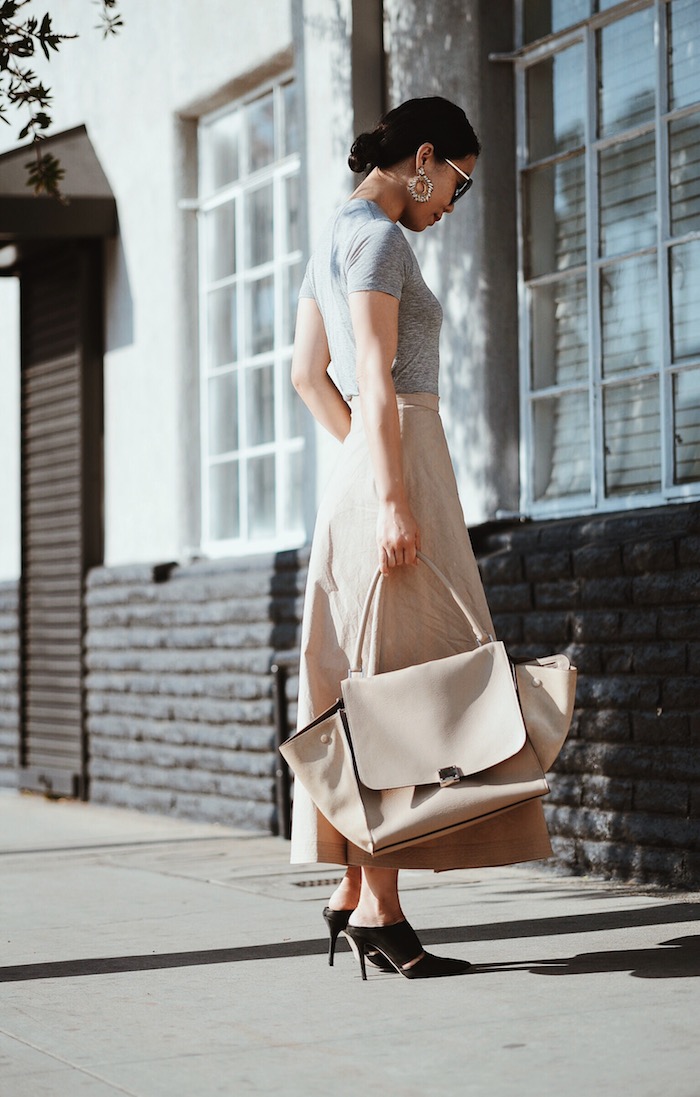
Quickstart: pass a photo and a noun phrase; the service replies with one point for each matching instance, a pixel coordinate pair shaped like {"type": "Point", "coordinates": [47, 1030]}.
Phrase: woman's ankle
{"type": "Point", "coordinates": [367, 915]}
{"type": "Point", "coordinates": [347, 894]}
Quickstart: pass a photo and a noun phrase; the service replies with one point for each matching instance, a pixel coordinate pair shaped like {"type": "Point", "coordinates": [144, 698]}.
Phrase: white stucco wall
{"type": "Point", "coordinates": [169, 59]}
{"type": "Point", "coordinates": [9, 429]}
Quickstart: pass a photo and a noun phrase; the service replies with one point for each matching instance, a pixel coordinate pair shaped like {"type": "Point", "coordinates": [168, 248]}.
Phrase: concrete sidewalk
{"type": "Point", "coordinates": [150, 956]}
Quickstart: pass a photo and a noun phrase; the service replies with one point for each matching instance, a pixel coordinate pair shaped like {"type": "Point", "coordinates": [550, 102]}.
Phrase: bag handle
{"type": "Point", "coordinates": [479, 636]}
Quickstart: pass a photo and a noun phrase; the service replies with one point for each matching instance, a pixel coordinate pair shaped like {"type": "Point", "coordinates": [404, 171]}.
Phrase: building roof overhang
{"type": "Point", "coordinates": [89, 210]}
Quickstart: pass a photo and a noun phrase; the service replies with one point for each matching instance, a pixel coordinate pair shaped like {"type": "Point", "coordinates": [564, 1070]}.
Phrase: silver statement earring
{"type": "Point", "coordinates": [420, 186]}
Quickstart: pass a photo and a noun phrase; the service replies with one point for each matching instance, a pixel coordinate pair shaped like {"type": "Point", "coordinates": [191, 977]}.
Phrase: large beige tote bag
{"type": "Point", "coordinates": [407, 755]}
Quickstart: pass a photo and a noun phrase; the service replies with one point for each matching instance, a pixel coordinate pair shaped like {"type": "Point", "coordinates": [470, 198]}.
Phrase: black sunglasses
{"type": "Point", "coordinates": [461, 188]}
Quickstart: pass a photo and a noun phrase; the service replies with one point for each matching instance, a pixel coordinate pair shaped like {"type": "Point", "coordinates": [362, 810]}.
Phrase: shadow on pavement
{"type": "Point", "coordinates": [648, 963]}
{"type": "Point", "coordinates": [682, 960]}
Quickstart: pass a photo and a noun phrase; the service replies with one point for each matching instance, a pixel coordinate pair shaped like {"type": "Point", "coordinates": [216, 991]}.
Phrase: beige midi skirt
{"type": "Point", "coordinates": [415, 621]}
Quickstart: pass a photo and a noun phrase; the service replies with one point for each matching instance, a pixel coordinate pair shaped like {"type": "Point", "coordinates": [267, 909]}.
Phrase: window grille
{"type": "Point", "coordinates": [250, 270]}
{"type": "Point", "coordinates": [609, 215]}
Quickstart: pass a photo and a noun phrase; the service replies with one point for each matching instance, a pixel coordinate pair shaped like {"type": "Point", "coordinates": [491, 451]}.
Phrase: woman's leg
{"type": "Point", "coordinates": [347, 894]}
{"type": "Point", "coordinates": [379, 903]}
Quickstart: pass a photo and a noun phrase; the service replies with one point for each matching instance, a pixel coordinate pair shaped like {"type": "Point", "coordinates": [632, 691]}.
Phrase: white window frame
{"type": "Point", "coordinates": [279, 357]}
{"type": "Point", "coordinates": [526, 55]}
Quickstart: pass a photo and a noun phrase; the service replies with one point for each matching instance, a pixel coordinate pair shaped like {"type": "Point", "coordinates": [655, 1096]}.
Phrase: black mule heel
{"type": "Point", "coordinates": [398, 944]}
{"type": "Point", "coordinates": [336, 920]}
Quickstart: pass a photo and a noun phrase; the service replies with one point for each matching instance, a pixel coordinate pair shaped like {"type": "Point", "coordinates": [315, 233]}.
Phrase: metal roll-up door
{"type": "Point", "coordinates": [61, 417]}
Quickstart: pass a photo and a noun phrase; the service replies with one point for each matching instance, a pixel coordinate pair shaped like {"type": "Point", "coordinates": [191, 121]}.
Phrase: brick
{"type": "Point", "coordinates": [693, 658]}
{"type": "Point", "coordinates": [666, 588]}
{"type": "Point", "coordinates": [679, 623]}
{"type": "Point", "coordinates": [548, 565]}
{"type": "Point", "coordinates": [659, 658]}
{"type": "Point", "coordinates": [564, 789]}
{"type": "Point", "coordinates": [545, 628]}
{"type": "Point", "coordinates": [695, 800]}
{"type": "Point", "coordinates": [661, 728]}
{"type": "Point", "coordinates": [509, 599]}
{"type": "Point", "coordinates": [606, 592]}
{"type": "Point", "coordinates": [680, 693]}
{"type": "Point", "coordinates": [585, 657]}
{"type": "Point", "coordinates": [562, 595]}
{"type": "Point", "coordinates": [616, 691]}
{"type": "Point", "coordinates": [660, 830]}
{"type": "Point", "coordinates": [595, 625]}
{"type": "Point", "coordinates": [509, 627]}
{"type": "Point", "coordinates": [631, 761]}
{"type": "Point", "coordinates": [606, 793]}
{"type": "Point", "coordinates": [689, 550]}
{"type": "Point", "coordinates": [639, 624]}
{"type": "Point", "coordinates": [617, 660]}
{"type": "Point", "coordinates": [640, 557]}
{"type": "Point", "coordinates": [501, 567]}
{"type": "Point", "coordinates": [662, 797]}
{"type": "Point", "coordinates": [597, 561]}
{"type": "Point", "coordinates": [604, 725]}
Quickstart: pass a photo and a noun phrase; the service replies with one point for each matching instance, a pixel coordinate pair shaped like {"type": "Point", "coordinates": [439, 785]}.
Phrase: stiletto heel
{"type": "Point", "coordinates": [399, 945]}
{"type": "Point", "coordinates": [336, 920]}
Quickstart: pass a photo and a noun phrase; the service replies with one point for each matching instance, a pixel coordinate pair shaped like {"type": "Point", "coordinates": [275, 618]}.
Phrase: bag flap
{"type": "Point", "coordinates": [406, 725]}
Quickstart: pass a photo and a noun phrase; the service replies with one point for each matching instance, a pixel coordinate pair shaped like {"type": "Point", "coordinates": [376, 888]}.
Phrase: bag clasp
{"type": "Point", "coordinates": [450, 775]}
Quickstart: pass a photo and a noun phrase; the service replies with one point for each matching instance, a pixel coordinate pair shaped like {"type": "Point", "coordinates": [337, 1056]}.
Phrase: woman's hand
{"type": "Point", "coordinates": [398, 536]}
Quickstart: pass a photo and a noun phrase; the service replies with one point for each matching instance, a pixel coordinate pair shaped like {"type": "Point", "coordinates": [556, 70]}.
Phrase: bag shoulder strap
{"type": "Point", "coordinates": [479, 636]}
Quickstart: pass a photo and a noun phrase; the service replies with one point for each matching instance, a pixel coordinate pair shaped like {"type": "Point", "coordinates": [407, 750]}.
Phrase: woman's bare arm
{"type": "Point", "coordinates": [375, 321]}
{"type": "Point", "coordinates": [310, 378]}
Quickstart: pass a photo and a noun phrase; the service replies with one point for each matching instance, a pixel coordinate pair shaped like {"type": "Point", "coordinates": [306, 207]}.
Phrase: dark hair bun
{"type": "Point", "coordinates": [403, 130]}
{"type": "Point", "coordinates": [363, 154]}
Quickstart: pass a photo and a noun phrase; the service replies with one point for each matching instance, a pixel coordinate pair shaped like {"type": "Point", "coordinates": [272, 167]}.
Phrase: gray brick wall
{"type": "Point", "coordinates": [179, 691]}
{"type": "Point", "coordinates": [9, 683]}
{"type": "Point", "coordinates": [620, 595]}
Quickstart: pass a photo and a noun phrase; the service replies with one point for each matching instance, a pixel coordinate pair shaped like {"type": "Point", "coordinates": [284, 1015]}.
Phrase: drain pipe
{"type": "Point", "coordinates": [284, 816]}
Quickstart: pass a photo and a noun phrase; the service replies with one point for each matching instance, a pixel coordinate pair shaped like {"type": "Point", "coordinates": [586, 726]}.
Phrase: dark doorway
{"type": "Point", "coordinates": [61, 399]}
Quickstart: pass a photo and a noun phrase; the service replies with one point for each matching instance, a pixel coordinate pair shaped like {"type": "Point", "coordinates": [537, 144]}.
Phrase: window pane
{"type": "Point", "coordinates": [685, 295]}
{"type": "Point", "coordinates": [559, 333]}
{"type": "Point", "coordinates": [219, 152]}
{"type": "Point", "coordinates": [261, 133]}
{"type": "Point", "coordinates": [221, 327]}
{"type": "Point", "coordinates": [261, 496]}
{"type": "Point", "coordinates": [630, 324]}
{"type": "Point", "coordinates": [260, 405]}
{"type": "Point", "coordinates": [294, 495]}
{"type": "Point", "coordinates": [686, 426]}
{"type": "Point", "coordinates": [632, 438]}
{"type": "Point", "coordinates": [292, 211]}
{"type": "Point", "coordinates": [260, 315]}
{"type": "Point", "coordinates": [561, 432]}
{"type": "Point", "coordinates": [220, 237]}
{"type": "Point", "coordinates": [258, 218]}
{"type": "Point", "coordinates": [223, 413]}
{"type": "Point", "coordinates": [223, 501]}
{"type": "Point", "coordinates": [628, 196]}
{"type": "Point", "coordinates": [626, 72]}
{"type": "Point", "coordinates": [684, 152]}
{"type": "Point", "coordinates": [292, 278]}
{"type": "Point", "coordinates": [555, 103]}
{"type": "Point", "coordinates": [549, 16]}
{"type": "Point", "coordinates": [291, 138]}
{"type": "Point", "coordinates": [684, 53]}
{"type": "Point", "coordinates": [555, 203]}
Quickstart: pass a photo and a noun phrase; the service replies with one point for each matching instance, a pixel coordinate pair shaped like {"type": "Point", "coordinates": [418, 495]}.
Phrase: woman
{"type": "Point", "coordinates": [365, 307]}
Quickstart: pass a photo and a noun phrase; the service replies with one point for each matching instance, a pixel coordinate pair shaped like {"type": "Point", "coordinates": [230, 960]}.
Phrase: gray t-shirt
{"type": "Point", "coordinates": [363, 249]}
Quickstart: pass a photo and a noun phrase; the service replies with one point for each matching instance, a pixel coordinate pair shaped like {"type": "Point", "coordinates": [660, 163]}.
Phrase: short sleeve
{"type": "Point", "coordinates": [376, 259]}
{"type": "Point", "coordinates": [307, 285]}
